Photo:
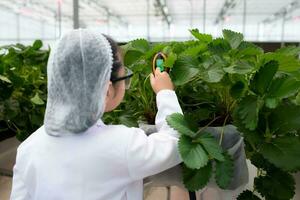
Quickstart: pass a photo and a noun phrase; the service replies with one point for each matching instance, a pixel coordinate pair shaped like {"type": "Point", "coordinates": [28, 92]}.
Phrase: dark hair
{"type": "Point", "coordinates": [117, 64]}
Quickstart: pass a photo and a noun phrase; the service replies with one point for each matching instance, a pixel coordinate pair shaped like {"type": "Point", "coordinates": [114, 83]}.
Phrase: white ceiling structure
{"type": "Point", "coordinates": [157, 20]}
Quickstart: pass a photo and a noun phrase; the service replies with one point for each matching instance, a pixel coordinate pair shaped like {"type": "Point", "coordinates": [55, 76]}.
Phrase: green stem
{"type": "Point", "coordinates": [223, 128]}
{"type": "Point", "coordinates": [202, 128]}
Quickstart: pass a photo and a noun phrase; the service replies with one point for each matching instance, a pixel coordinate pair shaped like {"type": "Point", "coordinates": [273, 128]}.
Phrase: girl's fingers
{"type": "Point", "coordinates": [151, 78]}
{"type": "Point", "coordinates": [157, 71]}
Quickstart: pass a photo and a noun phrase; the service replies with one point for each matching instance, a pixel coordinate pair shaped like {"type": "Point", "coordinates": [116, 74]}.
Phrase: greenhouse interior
{"type": "Point", "coordinates": [150, 99]}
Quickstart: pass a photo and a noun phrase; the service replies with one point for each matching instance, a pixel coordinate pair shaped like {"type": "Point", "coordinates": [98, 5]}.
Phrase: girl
{"type": "Point", "coordinates": [74, 155]}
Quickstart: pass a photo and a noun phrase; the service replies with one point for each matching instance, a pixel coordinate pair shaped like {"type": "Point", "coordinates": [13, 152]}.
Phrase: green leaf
{"type": "Point", "coordinates": [172, 57]}
{"type": "Point", "coordinates": [4, 78]}
{"type": "Point", "coordinates": [238, 89]}
{"type": "Point", "coordinates": [283, 152]}
{"type": "Point", "coordinates": [284, 87]}
{"type": "Point", "coordinates": [263, 78]}
{"type": "Point", "coordinates": [37, 44]}
{"type": "Point", "coordinates": [224, 171]}
{"type": "Point", "coordinates": [246, 49]}
{"type": "Point", "coordinates": [287, 63]}
{"type": "Point", "coordinates": [284, 118]}
{"type": "Point", "coordinates": [213, 74]}
{"type": "Point", "coordinates": [219, 46]}
{"type": "Point", "coordinates": [37, 100]}
{"type": "Point", "coordinates": [140, 45]}
{"type": "Point", "coordinates": [211, 146]}
{"type": "Point", "coordinates": [298, 99]}
{"type": "Point", "coordinates": [201, 36]}
{"type": "Point", "coordinates": [275, 185]}
{"type": "Point", "coordinates": [240, 67]}
{"type": "Point", "coordinates": [196, 179]}
{"type": "Point", "coordinates": [272, 102]}
{"type": "Point", "coordinates": [194, 50]}
{"type": "Point", "coordinates": [192, 154]}
{"type": "Point", "coordinates": [233, 38]}
{"type": "Point", "coordinates": [289, 50]}
{"type": "Point", "coordinates": [178, 122]}
{"type": "Point", "coordinates": [131, 57]}
{"type": "Point", "coordinates": [248, 110]}
{"type": "Point", "coordinates": [248, 195]}
{"type": "Point", "coordinates": [184, 70]}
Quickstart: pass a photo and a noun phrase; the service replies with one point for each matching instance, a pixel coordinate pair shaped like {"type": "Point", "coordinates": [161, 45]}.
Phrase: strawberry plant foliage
{"type": "Point", "coordinates": [218, 81]}
{"type": "Point", "coordinates": [225, 81]}
{"type": "Point", "coordinates": [22, 89]}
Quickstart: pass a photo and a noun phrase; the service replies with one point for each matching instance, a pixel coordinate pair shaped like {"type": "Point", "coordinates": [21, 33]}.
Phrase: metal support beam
{"type": "Point", "coordinates": [148, 19]}
{"type": "Point", "coordinates": [204, 15]}
{"type": "Point", "coordinates": [282, 29]}
{"type": "Point", "coordinates": [289, 8]}
{"type": "Point", "coordinates": [228, 5]}
{"type": "Point", "coordinates": [59, 18]}
{"type": "Point", "coordinates": [18, 26]}
{"type": "Point", "coordinates": [244, 17]}
{"type": "Point", "coordinates": [75, 14]}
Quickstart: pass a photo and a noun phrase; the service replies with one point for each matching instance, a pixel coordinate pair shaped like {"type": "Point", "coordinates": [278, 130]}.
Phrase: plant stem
{"type": "Point", "coordinates": [223, 128]}
{"type": "Point", "coordinates": [202, 128]}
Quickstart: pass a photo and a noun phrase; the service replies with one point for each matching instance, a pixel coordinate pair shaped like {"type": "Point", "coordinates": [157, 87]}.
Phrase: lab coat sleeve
{"type": "Point", "coordinates": [148, 155]}
{"type": "Point", "coordinates": [18, 191]}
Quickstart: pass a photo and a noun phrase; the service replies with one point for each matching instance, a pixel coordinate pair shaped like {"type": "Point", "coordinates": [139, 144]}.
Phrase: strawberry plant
{"type": "Point", "coordinates": [218, 82]}
{"type": "Point", "coordinates": [23, 88]}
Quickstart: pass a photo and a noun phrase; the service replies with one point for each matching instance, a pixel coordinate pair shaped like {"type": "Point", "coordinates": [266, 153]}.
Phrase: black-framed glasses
{"type": "Point", "coordinates": [127, 78]}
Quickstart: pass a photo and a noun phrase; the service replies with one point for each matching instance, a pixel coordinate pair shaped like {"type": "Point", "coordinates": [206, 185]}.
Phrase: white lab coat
{"type": "Point", "coordinates": [107, 162]}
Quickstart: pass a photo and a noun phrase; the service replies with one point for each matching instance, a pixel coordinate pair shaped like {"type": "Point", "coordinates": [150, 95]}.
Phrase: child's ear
{"type": "Point", "coordinates": [109, 97]}
{"type": "Point", "coordinates": [110, 92]}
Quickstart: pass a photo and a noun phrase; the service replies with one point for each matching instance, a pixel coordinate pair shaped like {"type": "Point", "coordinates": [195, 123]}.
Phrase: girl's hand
{"type": "Point", "coordinates": [161, 81]}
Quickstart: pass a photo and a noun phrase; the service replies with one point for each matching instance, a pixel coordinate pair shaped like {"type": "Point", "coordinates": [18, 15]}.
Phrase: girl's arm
{"type": "Point", "coordinates": [148, 155]}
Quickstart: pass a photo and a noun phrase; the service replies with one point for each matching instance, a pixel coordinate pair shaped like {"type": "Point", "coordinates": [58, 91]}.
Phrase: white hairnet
{"type": "Point", "coordinates": [78, 72]}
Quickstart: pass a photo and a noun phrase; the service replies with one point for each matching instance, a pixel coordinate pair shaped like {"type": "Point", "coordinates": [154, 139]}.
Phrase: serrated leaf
{"type": "Point", "coordinates": [283, 152]}
{"type": "Point", "coordinates": [287, 63]}
{"type": "Point", "coordinates": [141, 45]}
{"type": "Point", "coordinates": [284, 118]}
{"type": "Point", "coordinates": [211, 146]}
{"type": "Point", "coordinates": [196, 179]}
{"type": "Point", "coordinates": [260, 162]}
{"type": "Point", "coordinates": [37, 100]}
{"type": "Point", "coordinates": [4, 78]}
{"type": "Point", "coordinates": [184, 70]}
{"type": "Point", "coordinates": [37, 44]}
{"type": "Point", "coordinates": [263, 78]}
{"type": "Point", "coordinates": [248, 195]}
{"type": "Point", "coordinates": [238, 89]}
{"type": "Point", "coordinates": [172, 57]}
{"type": "Point", "coordinates": [219, 46]}
{"type": "Point", "coordinates": [297, 100]}
{"type": "Point", "coordinates": [284, 87]}
{"type": "Point", "coordinates": [240, 67]}
{"type": "Point", "coordinates": [213, 74]}
{"type": "Point", "coordinates": [131, 56]}
{"type": "Point", "coordinates": [224, 171]}
{"type": "Point", "coordinates": [201, 36]}
{"type": "Point", "coordinates": [178, 122]}
{"type": "Point", "coordinates": [248, 110]}
{"type": "Point", "coordinates": [272, 102]}
{"type": "Point", "coordinates": [194, 51]}
{"type": "Point", "coordinates": [248, 49]}
{"type": "Point", "coordinates": [167, 50]}
{"type": "Point", "coordinates": [275, 185]}
{"type": "Point", "coordinates": [233, 38]}
{"type": "Point", "coordinates": [192, 154]}
{"type": "Point", "coordinates": [289, 50]}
